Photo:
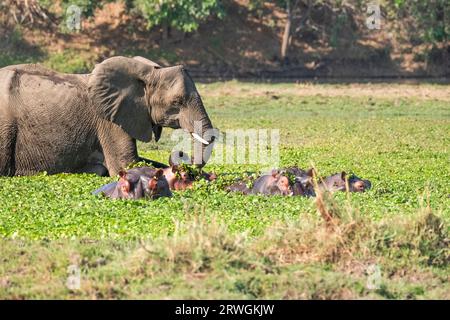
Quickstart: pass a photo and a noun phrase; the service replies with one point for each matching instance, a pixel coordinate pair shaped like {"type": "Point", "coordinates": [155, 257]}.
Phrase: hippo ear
{"type": "Point", "coordinates": [310, 172]}
{"type": "Point", "coordinates": [343, 175]}
{"type": "Point", "coordinates": [284, 181]}
{"type": "Point", "coordinates": [122, 174]}
{"type": "Point", "coordinates": [212, 177]}
{"type": "Point", "coordinates": [152, 183]}
{"type": "Point", "coordinates": [175, 168]}
{"type": "Point", "coordinates": [274, 173]}
{"type": "Point", "coordinates": [159, 173]}
{"type": "Point", "coordinates": [124, 184]}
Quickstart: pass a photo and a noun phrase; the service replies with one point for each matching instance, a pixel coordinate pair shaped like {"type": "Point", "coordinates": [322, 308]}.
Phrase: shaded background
{"type": "Point", "coordinates": [235, 38]}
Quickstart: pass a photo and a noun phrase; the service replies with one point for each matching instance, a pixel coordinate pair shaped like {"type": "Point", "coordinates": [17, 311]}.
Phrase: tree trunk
{"type": "Point", "coordinates": [167, 31]}
{"type": "Point", "coordinates": [286, 33]}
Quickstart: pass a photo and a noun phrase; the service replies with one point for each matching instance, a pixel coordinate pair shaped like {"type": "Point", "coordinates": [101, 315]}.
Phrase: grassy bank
{"type": "Point", "coordinates": [401, 258]}
{"type": "Point", "coordinates": [396, 136]}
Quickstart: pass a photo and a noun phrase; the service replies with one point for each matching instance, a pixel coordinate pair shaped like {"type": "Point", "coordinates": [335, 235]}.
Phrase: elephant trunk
{"type": "Point", "coordinates": [197, 122]}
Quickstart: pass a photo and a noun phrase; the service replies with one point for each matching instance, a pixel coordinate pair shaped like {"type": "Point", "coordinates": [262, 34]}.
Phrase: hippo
{"type": "Point", "coordinates": [240, 187]}
{"type": "Point", "coordinates": [137, 183]}
{"type": "Point", "coordinates": [302, 181]}
{"type": "Point", "coordinates": [180, 176]}
{"type": "Point", "coordinates": [294, 181]}
{"type": "Point", "coordinates": [278, 182]}
{"type": "Point", "coordinates": [337, 182]}
{"type": "Point", "coordinates": [272, 184]}
{"type": "Point", "coordinates": [140, 182]}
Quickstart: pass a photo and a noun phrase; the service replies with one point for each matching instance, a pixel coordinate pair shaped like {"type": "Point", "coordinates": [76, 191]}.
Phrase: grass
{"type": "Point", "coordinates": [203, 260]}
{"type": "Point", "coordinates": [400, 143]}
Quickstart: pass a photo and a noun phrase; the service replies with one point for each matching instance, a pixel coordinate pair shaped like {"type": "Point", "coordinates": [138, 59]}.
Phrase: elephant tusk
{"type": "Point", "coordinates": [200, 139]}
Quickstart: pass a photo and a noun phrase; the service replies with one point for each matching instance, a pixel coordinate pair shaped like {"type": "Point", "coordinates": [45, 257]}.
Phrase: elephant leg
{"type": "Point", "coordinates": [95, 164]}
{"type": "Point", "coordinates": [95, 168]}
{"type": "Point", "coordinates": [7, 146]}
{"type": "Point", "coordinates": [119, 149]}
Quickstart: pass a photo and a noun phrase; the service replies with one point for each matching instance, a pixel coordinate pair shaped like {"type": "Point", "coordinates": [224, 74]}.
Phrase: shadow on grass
{"type": "Point", "coordinates": [15, 50]}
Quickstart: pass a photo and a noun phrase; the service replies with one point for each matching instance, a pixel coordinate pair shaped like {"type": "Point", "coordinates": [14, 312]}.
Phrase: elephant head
{"type": "Point", "coordinates": [142, 97]}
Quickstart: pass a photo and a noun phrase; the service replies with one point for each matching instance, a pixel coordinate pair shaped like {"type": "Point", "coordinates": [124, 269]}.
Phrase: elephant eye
{"type": "Point", "coordinates": [179, 101]}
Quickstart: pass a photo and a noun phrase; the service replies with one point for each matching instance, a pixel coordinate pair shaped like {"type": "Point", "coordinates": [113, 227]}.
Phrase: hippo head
{"type": "Point", "coordinates": [337, 182]}
{"type": "Point", "coordinates": [280, 184]}
{"type": "Point", "coordinates": [276, 183]}
{"type": "Point", "coordinates": [302, 182]}
{"type": "Point", "coordinates": [156, 185]}
{"type": "Point", "coordinates": [141, 182]}
{"type": "Point", "coordinates": [180, 176]}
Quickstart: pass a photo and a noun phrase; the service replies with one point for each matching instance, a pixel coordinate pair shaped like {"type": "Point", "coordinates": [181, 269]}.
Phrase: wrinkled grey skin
{"type": "Point", "coordinates": [90, 123]}
{"type": "Point", "coordinates": [142, 182]}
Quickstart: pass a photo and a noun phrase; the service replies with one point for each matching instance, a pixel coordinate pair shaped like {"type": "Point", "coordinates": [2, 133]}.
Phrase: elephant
{"type": "Point", "coordinates": [89, 123]}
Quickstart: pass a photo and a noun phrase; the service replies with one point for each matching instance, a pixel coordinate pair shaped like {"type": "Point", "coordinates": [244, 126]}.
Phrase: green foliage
{"type": "Point", "coordinates": [15, 50]}
{"type": "Point", "coordinates": [397, 143]}
{"type": "Point", "coordinates": [336, 31]}
{"type": "Point", "coordinates": [184, 15]}
{"type": "Point", "coordinates": [206, 243]}
{"type": "Point", "coordinates": [432, 17]}
{"type": "Point", "coordinates": [68, 61]}
{"type": "Point", "coordinates": [203, 259]}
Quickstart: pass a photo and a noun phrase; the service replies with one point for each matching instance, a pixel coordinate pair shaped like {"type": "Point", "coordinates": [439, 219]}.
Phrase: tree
{"type": "Point", "coordinates": [297, 11]}
{"type": "Point", "coordinates": [184, 15]}
{"type": "Point", "coordinates": [291, 7]}
{"type": "Point", "coordinates": [432, 17]}
{"type": "Point", "coordinates": [29, 12]}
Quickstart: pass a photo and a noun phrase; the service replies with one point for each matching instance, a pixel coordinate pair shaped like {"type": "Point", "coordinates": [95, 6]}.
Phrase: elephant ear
{"type": "Point", "coordinates": [157, 130]}
{"type": "Point", "coordinates": [147, 61]}
{"type": "Point", "coordinates": [117, 88]}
